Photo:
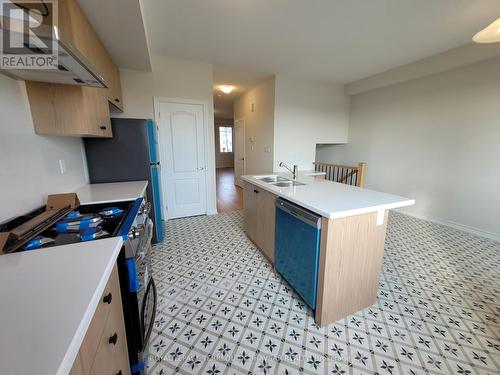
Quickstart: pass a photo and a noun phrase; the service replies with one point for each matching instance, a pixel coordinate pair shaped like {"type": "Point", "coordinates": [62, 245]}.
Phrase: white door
{"type": "Point", "coordinates": [239, 151]}
{"type": "Point", "coordinates": [182, 141]}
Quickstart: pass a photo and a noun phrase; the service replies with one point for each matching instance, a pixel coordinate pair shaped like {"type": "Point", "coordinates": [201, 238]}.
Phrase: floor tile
{"type": "Point", "coordinates": [223, 310]}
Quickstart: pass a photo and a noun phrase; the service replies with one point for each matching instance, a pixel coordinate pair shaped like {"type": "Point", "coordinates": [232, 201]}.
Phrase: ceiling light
{"type": "Point", "coordinates": [226, 89]}
{"type": "Point", "coordinates": [490, 34]}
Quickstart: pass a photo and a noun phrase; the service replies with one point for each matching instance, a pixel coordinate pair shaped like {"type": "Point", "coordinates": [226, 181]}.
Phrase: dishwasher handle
{"type": "Point", "coordinates": [300, 213]}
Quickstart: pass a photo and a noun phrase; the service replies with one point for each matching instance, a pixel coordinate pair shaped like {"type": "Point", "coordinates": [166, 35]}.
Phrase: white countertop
{"type": "Point", "coordinates": [111, 192]}
{"type": "Point", "coordinates": [48, 298]}
{"type": "Point", "coordinates": [332, 199]}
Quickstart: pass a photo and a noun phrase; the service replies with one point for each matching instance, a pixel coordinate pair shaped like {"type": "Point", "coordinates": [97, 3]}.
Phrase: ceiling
{"type": "Point", "coordinates": [120, 26]}
{"type": "Point", "coordinates": [340, 41]}
{"type": "Point", "coordinates": [241, 80]}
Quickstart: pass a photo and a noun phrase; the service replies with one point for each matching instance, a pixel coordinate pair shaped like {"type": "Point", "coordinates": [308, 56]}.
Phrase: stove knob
{"type": "Point", "coordinates": [136, 232]}
{"type": "Point", "coordinates": [145, 209]}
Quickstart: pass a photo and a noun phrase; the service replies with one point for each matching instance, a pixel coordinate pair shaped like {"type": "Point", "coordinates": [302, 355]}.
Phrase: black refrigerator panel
{"type": "Point", "coordinates": [125, 157]}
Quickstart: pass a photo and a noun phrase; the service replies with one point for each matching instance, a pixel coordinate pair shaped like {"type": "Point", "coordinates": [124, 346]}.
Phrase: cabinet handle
{"type": "Point", "coordinates": [256, 191]}
{"type": "Point", "coordinates": [119, 372]}
{"type": "Point", "coordinates": [107, 298]}
{"type": "Point", "coordinates": [103, 128]}
{"type": "Point", "coordinates": [113, 339]}
{"type": "Point", "coordinates": [117, 100]}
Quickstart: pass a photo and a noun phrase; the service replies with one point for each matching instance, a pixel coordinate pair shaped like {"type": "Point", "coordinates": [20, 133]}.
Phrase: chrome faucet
{"type": "Point", "coordinates": [294, 171]}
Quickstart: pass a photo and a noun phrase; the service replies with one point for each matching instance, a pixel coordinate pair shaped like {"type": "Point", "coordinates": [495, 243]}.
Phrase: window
{"type": "Point", "coordinates": [225, 139]}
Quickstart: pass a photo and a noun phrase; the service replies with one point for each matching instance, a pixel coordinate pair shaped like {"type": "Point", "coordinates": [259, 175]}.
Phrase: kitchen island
{"type": "Point", "coordinates": [352, 235]}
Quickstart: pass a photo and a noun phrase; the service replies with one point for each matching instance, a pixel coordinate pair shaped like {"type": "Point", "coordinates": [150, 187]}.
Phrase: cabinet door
{"type": "Point", "coordinates": [112, 354]}
{"type": "Point", "coordinates": [110, 300]}
{"type": "Point", "coordinates": [266, 222]}
{"type": "Point", "coordinates": [250, 210]}
{"type": "Point", "coordinates": [115, 88]}
{"type": "Point", "coordinates": [96, 105]}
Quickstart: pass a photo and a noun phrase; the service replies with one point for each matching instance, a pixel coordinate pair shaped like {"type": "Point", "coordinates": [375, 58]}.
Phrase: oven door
{"type": "Point", "coordinates": [147, 293]}
{"type": "Point", "coordinates": [138, 296]}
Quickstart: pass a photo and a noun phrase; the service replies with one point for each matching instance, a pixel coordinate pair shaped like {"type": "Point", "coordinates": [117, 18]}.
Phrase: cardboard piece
{"type": "Point", "coordinates": [57, 206]}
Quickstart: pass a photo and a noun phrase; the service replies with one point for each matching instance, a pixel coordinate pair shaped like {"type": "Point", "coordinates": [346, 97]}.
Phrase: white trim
{"type": "Point", "coordinates": [455, 225]}
{"type": "Point", "coordinates": [242, 119]}
{"type": "Point", "coordinates": [211, 202]}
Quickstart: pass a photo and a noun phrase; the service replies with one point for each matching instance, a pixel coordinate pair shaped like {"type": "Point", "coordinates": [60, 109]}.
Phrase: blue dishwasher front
{"type": "Point", "coordinates": [296, 252]}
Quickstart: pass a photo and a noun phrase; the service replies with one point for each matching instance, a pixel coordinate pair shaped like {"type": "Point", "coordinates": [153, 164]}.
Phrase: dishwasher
{"type": "Point", "coordinates": [297, 243]}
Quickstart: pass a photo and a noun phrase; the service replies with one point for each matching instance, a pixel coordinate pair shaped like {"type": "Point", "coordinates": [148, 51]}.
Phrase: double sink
{"type": "Point", "coordinates": [278, 181]}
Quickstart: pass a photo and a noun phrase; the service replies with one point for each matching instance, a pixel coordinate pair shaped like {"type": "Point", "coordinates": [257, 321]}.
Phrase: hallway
{"type": "Point", "coordinates": [229, 196]}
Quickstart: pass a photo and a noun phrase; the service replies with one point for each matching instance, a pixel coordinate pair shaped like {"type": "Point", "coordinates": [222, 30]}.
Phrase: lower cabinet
{"type": "Point", "coordinates": [259, 218]}
{"type": "Point", "coordinates": [104, 348]}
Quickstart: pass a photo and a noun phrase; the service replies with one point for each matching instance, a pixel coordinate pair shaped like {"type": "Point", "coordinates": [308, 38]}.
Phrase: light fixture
{"type": "Point", "coordinates": [226, 89]}
{"type": "Point", "coordinates": [490, 34]}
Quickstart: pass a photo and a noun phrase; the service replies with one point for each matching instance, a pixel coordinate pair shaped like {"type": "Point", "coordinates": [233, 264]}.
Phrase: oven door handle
{"type": "Point", "coordinates": [151, 286]}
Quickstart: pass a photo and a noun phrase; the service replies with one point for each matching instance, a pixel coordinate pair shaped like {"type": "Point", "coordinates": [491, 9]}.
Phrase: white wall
{"type": "Point", "coordinates": [435, 139]}
{"type": "Point", "coordinates": [222, 159]}
{"type": "Point", "coordinates": [171, 78]}
{"type": "Point", "coordinates": [259, 126]}
{"type": "Point", "coordinates": [30, 163]}
{"type": "Point", "coordinates": [306, 113]}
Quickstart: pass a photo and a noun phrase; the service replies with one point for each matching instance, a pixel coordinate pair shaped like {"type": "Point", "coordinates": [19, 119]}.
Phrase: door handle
{"type": "Point", "coordinates": [200, 169]}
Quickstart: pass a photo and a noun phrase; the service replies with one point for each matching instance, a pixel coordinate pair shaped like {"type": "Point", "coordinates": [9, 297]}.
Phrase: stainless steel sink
{"type": "Point", "coordinates": [271, 179]}
{"type": "Point", "coordinates": [287, 183]}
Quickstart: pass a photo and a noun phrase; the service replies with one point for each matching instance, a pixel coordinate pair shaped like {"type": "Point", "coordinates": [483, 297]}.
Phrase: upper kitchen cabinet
{"type": "Point", "coordinates": [78, 29]}
{"type": "Point", "coordinates": [59, 109]}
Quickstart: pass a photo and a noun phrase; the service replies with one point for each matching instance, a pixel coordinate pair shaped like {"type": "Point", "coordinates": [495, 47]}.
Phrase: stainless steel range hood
{"type": "Point", "coordinates": [73, 68]}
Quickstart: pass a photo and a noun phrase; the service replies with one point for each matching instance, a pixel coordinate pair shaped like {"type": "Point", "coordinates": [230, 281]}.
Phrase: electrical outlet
{"type": "Point", "coordinates": [62, 166]}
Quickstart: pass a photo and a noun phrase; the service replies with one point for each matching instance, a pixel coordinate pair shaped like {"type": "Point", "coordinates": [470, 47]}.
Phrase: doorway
{"type": "Point", "coordinates": [183, 143]}
{"type": "Point", "coordinates": [229, 196]}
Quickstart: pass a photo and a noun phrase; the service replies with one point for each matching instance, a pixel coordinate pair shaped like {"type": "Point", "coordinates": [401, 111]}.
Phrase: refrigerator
{"type": "Point", "coordinates": [131, 155]}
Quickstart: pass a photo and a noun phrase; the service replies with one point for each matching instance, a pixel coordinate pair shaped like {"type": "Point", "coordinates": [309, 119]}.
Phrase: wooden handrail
{"type": "Point", "coordinates": [336, 165]}
{"type": "Point", "coordinates": [349, 170]}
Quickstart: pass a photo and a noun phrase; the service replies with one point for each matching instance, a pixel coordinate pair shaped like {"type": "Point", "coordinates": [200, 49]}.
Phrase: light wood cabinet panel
{"type": "Point", "coordinates": [266, 218]}
{"type": "Point", "coordinates": [74, 110]}
{"type": "Point", "coordinates": [95, 331]}
{"type": "Point", "coordinates": [351, 253]}
{"type": "Point", "coordinates": [250, 211]}
{"type": "Point", "coordinates": [77, 368]}
{"type": "Point", "coordinates": [97, 354]}
{"type": "Point", "coordinates": [68, 110]}
{"type": "Point", "coordinates": [87, 41]}
{"type": "Point", "coordinates": [112, 354]}
{"type": "Point", "coordinates": [259, 218]}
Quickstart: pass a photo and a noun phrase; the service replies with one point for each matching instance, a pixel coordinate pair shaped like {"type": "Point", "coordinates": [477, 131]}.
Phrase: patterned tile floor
{"type": "Point", "coordinates": [222, 310]}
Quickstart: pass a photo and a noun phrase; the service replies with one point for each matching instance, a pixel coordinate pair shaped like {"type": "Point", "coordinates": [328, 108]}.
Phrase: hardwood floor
{"type": "Point", "coordinates": [229, 196]}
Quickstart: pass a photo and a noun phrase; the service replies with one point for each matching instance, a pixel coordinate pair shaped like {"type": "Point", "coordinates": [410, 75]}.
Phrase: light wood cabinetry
{"type": "Point", "coordinates": [350, 263]}
{"type": "Point", "coordinates": [104, 348]}
{"type": "Point", "coordinates": [260, 216]}
{"type": "Point", "coordinates": [74, 110]}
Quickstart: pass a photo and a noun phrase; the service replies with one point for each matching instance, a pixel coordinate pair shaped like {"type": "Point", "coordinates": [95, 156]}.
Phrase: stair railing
{"type": "Point", "coordinates": [345, 174]}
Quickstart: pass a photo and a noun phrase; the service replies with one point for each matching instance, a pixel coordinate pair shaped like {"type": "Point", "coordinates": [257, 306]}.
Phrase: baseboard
{"type": "Point", "coordinates": [452, 224]}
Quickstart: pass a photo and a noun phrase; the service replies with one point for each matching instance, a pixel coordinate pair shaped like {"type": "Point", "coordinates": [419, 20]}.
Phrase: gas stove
{"type": "Point", "coordinates": [42, 229]}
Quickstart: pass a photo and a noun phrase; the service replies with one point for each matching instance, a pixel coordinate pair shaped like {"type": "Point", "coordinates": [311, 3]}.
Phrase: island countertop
{"type": "Point", "coordinates": [49, 297]}
{"type": "Point", "coordinates": [330, 199]}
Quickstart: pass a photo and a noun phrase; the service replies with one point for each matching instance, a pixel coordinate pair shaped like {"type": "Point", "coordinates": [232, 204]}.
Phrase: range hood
{"type": "Point", "coordinates": [73, 68]}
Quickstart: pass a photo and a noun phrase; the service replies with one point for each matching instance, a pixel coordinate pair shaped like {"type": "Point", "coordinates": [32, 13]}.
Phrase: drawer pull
{"type": "Point", "coordinates": [256, 191]}
{"type": "Point", "coordinates": [113, 339]}
{"type": "Point", "coordinates": [119, 372]}
{"type": "Point", "coordinates": [107, 298]}
{"type": "Point", "coordinates": [103, 128]}
{"type": "Point", "coordinates": [117, 100]}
